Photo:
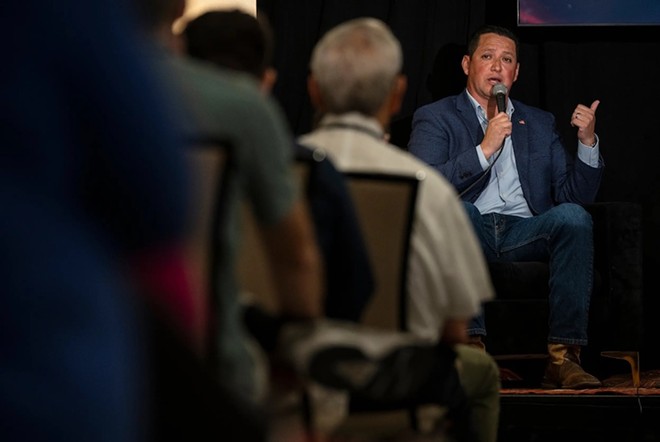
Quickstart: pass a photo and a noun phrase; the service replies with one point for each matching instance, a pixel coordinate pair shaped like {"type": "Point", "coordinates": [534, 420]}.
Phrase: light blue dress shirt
{"type": "Point", "coordinates": [503, 193]}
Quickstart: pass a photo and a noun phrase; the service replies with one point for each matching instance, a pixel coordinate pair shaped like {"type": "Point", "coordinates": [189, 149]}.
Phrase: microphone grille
{"type": "Point", "coordinates": [499, 89]}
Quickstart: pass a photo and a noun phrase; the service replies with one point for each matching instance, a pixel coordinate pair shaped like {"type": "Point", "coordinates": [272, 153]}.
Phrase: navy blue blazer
{"type": "Point", "coordinates": [446, 132]}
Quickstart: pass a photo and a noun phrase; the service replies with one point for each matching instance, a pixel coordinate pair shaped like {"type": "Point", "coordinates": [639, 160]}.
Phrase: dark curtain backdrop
{"type": "Point", "coordinates": [560, 67]}
{"type": "Point", "coordinates": [427, 29]}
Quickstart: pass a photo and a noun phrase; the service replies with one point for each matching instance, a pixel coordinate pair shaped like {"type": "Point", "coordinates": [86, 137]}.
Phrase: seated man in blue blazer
{"type": "Point", "coordinates": [523, 193]}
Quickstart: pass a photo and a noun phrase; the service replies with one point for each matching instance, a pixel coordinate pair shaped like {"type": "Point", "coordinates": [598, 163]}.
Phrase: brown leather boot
{"type": "Point", "coordinates": [564, 370]}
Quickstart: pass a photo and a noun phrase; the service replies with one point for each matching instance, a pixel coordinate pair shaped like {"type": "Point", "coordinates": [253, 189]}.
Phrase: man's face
{"type": "Point", "coordinates": [494, 61]}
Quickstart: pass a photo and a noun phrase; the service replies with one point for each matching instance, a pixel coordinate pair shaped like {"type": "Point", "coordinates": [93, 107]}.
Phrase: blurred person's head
{"type": "Point", "coordinates": [356, 67]}
{"type": "Point", "coordinates": [234, 40]}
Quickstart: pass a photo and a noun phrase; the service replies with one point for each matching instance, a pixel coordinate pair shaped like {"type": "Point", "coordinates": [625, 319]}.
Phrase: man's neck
{"type": "Point", "coordinates": [383, 117]}
{"type": "Point", "coordinates": [488, 105]}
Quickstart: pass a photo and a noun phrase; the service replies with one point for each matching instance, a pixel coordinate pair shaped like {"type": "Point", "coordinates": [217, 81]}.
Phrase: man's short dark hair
{"type": "Point", "coordinates": [491, 29]}
{"type": "Point", "coordinates": [232, 39]}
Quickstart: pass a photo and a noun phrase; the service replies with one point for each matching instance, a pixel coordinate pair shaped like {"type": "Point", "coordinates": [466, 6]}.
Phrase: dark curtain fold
{"type": "Point", "coordinates": [427, 29]}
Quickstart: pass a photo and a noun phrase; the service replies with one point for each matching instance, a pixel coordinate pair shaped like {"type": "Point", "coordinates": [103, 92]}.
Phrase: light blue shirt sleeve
{"type": "Point", "coordinates": [482, 158]}
{"type": "Point", "coordinates": [589, 155]}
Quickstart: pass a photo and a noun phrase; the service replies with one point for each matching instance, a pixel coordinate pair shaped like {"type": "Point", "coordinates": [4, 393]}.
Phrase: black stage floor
{"type": "Point", "coordinates": [593, 418]}
{"type": "Point", "coordinates": [615, 412]}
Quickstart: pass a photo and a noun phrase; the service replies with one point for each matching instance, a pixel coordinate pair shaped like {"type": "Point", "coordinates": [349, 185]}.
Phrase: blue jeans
{"type": "Point", "coordinates": [563, 237]}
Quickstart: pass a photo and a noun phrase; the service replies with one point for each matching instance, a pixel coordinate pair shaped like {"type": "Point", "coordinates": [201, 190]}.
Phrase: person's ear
{"type": "Point", "coordinates": [465, 64]}
{"type": "Point", "coordinates": [398, 93]}
{"type": "Point", "coordinates": [268, 79]}
{"type": "Point", "coordinates": [515, 76]}
{"type": "Point", "coordinates": [314, 93]}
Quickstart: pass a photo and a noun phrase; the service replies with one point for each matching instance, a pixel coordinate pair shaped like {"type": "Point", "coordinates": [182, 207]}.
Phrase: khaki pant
{"type": "Point", "coordinates": [480, 378]}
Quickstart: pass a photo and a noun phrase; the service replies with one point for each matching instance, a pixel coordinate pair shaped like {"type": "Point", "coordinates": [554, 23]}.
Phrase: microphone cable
{"type": "Point", "coordinates": [499, 92]}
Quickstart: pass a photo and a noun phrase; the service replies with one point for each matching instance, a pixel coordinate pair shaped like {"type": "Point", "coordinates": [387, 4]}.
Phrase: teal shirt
{"type": "Point", "coordinates": [225, 105]}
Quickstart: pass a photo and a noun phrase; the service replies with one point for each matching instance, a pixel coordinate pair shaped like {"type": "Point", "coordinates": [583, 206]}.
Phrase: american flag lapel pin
{"type": "Point", "coordinates": [521, 121]}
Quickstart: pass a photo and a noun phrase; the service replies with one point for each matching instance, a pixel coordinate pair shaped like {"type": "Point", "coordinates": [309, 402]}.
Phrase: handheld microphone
{"type": "Point", "coordinates": [499, 91]}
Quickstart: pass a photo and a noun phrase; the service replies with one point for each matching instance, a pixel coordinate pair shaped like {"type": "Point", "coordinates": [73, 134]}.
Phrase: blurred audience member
{"type": "Point", "coordinates": [356, 83]}
{"type": "Point", "coordinates": [236, 40]}
{"type": "Point", "coordinates": [228, 107]}
{"type": "Point", "coordinates": [90, 183]}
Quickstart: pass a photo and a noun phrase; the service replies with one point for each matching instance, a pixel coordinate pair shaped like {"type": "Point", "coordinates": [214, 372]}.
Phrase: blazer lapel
{"type": "Point", "coordinates": [521, 148]}
{"type": "Point", "coordinates": [469, 118]}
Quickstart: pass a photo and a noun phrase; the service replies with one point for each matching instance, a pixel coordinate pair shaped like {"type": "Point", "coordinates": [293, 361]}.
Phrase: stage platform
{"type": "Point", "coordinates": [615, 412]}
